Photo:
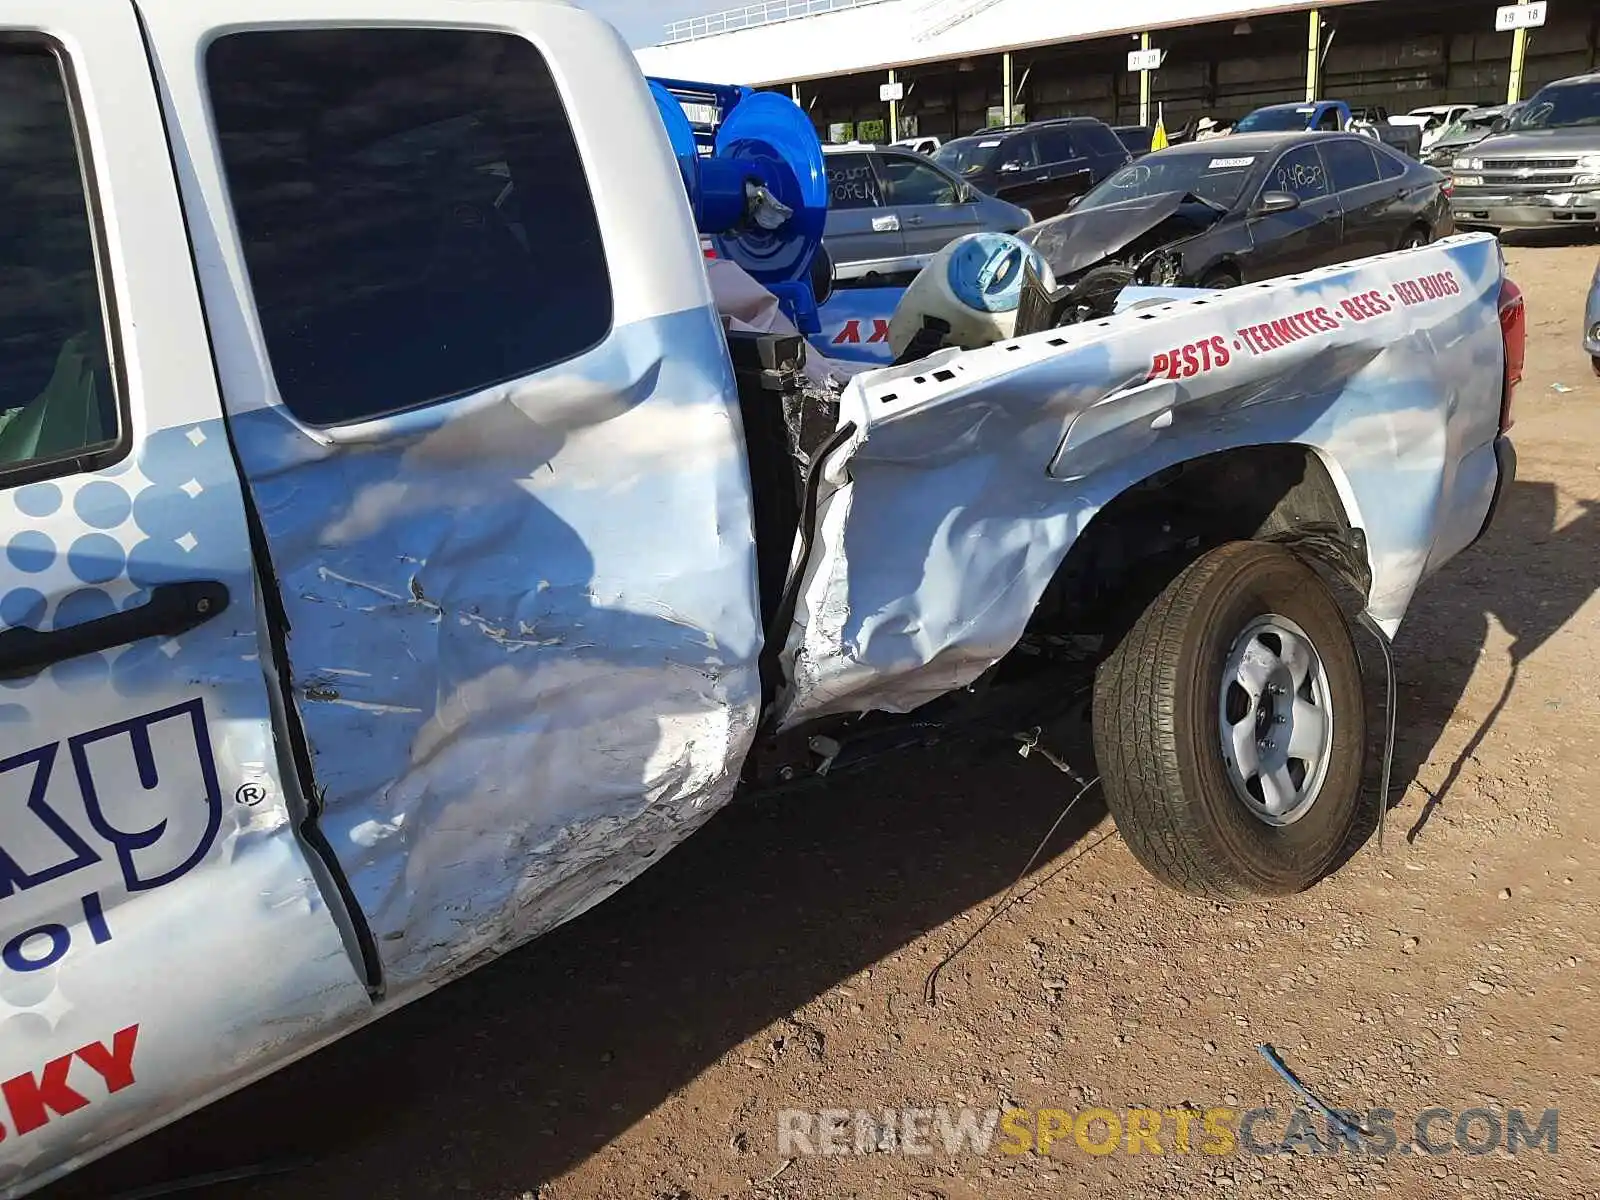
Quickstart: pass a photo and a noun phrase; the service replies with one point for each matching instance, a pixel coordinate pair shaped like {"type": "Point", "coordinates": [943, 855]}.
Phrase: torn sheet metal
{"type": "Point", "coordinates": [971, 474]}
{"type": "Point", "coordinates": [523, 635]}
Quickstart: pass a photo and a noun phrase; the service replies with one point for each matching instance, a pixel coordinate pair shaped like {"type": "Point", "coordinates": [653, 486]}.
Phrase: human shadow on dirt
{"type": "Point", "coordinates": [1527, 575]}
{"type": "Point", "coordinates": [519, 1072]}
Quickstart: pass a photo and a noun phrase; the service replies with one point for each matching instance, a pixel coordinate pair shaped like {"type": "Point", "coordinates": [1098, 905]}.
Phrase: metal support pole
{"type": "Point", "coordinates": [1144, 84]}
{"type": "Point", "coordinates": [1519, 58]}
{"type": "Point", "coordinates": [794, 92]}
{"type": "Point", "coordinates": [1314, 57]}
{"type": "Point", "coordinates": [1007, 101]}
{"type": "Point", "coordinates": [894, 111]}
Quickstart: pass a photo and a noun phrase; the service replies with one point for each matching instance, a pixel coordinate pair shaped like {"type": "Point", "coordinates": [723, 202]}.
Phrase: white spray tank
{"type": "Point", "coordinates": [975, 286]}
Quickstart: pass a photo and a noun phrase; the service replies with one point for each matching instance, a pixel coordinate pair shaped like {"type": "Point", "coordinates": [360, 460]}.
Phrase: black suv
{"type": "Point", "coordinates": [1041, 166]}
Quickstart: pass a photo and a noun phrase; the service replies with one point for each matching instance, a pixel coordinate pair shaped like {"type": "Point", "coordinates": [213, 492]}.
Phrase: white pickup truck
{"type": "Point", "coordinates": [399, 554]}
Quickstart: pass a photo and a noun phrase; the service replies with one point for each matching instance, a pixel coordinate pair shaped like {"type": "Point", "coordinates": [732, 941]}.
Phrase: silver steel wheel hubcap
{"type": "Point", "coordinates": [1276, 720]}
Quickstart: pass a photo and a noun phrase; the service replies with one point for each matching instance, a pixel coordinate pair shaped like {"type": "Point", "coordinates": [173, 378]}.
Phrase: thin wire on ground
{"type": "Point", "coordinates": [930, 988]}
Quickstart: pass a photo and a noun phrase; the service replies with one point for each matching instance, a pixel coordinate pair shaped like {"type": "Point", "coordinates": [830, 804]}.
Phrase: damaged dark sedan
{"type": "Point", "coordinates": [1238, 210]}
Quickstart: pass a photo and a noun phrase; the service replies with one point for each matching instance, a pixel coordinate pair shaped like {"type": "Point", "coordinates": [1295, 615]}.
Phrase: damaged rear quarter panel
{"type": "Point", "coordinates": [971, 474]}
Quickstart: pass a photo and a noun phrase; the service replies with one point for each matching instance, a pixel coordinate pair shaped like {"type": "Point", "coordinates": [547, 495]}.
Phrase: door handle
{"type": "Point", "coordinates": [173, 608]}
{"type": "Point", "coordinates": [888, 224]}
{"type": "Point", "coordinates": [913, 220]}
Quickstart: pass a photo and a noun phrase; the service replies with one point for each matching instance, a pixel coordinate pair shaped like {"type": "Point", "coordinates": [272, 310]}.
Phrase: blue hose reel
{"type": "Point", "coordinates": [757, 185]}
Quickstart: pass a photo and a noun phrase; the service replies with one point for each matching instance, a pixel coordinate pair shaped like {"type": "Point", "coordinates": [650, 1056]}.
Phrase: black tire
{"type": "Point", "coordinates": [1099, 288]}
{"type": "Point", "coordinates": [1157, 730]}
{"type": "Point", "coordinates": [1416, 238]}
{"type": "Point", "coordinates": [1220, 278]}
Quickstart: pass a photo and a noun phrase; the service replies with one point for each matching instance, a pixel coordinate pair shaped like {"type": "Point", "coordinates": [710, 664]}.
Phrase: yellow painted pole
{"type": "Point", "coordinates": [1006, 104]}
{"type": "Point", "coordinates": [1144, 84]}
{"type": "Point", "coordinates": [894, 111]}
{"type": "Point", "coordinates": [1314, 57]}
{"type": "Point", "coordinates": [1519, 58]}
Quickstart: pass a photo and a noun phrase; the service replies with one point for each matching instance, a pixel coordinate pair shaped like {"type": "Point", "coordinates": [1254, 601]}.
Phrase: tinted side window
{"type": "Point", "coordinates": [912, 182]}
{"type": "Point", "coordinates": [1390, 164]}
{"type": "Point", "coordinates": [1351, 162]}
{"type": "Point", "coordinates": [1102, 140]}
{"type": "Point", "coordinates": [414, 213]}
{"type": "Point", "coordinates": [852, 183]}
{"type": "Point", "coordinates": [1057, 146]}
{"type": "Point", "coordinates": [1136, 140]}
{"type": "Point", "coordinates": [1300, 173]}
{"type": "Point", "coordinates": [1329, 120]}
{"type": "Point", "coordinates": [1021, 152]}
{"type": "Point", "coordinates": [58, 397]}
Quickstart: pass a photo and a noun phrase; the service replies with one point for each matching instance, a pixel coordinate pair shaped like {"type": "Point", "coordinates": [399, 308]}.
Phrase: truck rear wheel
{"type": "Point", "coordinates": [1230, 727]}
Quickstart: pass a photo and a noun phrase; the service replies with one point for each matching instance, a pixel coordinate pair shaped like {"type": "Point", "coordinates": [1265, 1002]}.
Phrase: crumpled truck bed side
{"type": "Point", "coordinates": [970, 475]}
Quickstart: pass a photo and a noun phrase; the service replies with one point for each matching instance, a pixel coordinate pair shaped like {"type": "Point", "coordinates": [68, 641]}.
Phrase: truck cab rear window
{"type": "Point", "coordinates": [58, 399]}
{"type": "Point", "coordinates": [414, 213]}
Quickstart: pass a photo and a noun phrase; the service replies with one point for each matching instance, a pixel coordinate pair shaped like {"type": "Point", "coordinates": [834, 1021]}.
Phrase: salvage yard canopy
{"type": "Point", "coordinates": [796, 40]}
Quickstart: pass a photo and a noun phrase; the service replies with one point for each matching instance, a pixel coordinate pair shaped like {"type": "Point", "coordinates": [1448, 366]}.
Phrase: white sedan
{"type": "Point", "coordinates": [1434, 119]}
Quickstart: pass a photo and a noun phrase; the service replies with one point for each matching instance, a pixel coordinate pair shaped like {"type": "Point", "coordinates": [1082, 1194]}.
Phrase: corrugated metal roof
{"type": "Point", "coordinates": [748, 16]}
{"type": "Point", "coordinates": [899, 33]}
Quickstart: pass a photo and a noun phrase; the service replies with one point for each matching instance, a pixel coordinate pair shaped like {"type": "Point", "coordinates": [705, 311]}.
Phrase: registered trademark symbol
{"type": "Point", "coordinates": [251, 794]}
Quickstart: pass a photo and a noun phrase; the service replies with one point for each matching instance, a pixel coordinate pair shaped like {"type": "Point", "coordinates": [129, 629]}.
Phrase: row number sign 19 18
{"type": "Point", "coordinates": [1520, 16]}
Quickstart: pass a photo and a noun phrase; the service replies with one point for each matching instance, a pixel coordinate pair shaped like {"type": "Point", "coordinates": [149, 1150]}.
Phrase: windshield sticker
{"type": "Point", "coordinates": [987, 145]}
{"type": "Point", "coordinates": [1224, 164]}
{"type": "Point", "coordinates": [1306, 109]}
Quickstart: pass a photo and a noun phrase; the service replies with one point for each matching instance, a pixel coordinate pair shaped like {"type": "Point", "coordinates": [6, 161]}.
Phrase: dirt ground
{"type": "Point", "coordinates": [778, 960]}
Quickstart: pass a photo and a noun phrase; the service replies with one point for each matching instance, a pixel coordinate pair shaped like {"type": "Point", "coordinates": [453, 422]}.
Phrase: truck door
{"type": "Point", "coordinates": [485, 409]}
{"type": "Point", "coordinates": [163, 935]}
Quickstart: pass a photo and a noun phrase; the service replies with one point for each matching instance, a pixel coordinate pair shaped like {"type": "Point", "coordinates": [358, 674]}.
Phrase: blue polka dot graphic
{"type": "Point", "coordinates": [39, 500]}
{"type": "Point", "coordinates": [155, 561]}
{"type": "Point", "coordinates": [22, 607]}
{"type": "Point", "coordinates": [31, 551]}
{"type": "Point", "coordinates": [86, 604]}
{"type": "Point", "coordinates": [97, 558]}
{"type": "Point", "coordinates": [102, 504]}
{"type": "Point", "coordinates": [81, 674]}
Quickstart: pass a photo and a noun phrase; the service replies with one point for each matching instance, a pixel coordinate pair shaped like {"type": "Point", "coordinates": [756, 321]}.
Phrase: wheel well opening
{"type": "Point", "coordinates": [1141, 541]}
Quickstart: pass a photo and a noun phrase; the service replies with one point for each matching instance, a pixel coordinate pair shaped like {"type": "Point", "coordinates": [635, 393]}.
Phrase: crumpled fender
{"type": "Point", "coordinates": [970, 475]}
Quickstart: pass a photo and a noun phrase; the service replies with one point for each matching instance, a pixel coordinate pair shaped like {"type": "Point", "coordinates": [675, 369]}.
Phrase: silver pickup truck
{"type": "Point", "coordinates": [1543, 171]}
{"type": "Point", "coordinates": [400, 555]}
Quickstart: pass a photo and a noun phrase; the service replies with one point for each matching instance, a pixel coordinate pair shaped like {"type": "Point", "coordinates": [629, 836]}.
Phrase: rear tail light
{"type": "Point", "coordinates": [1514, 331]}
